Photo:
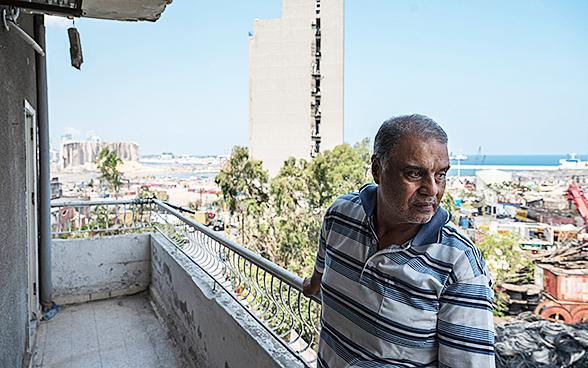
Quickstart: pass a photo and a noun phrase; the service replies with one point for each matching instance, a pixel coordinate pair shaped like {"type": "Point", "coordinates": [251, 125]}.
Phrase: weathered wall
{"type": "Point", "coordinates": [211, 327]}
{"type": "Point", "coordinates": [99, 267]}
{"type": "Point", "coordinates": [17, 83]}
{"type": "Point", "coordinates": [80, 153]}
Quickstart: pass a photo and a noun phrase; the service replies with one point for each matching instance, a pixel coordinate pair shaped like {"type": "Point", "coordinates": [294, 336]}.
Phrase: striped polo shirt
{"type": "Point", "coordinates": [427, 303]}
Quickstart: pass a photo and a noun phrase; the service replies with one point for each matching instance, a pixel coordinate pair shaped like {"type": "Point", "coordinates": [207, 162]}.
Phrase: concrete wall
{"type": "Point", "coordinates": [99, 267]}
{"type": "Point", "coordinates": [17, 83]}
{"type": "Point", "coordinates": [281, 61]}
{"type": "Point", "coordinates": [211, 326]}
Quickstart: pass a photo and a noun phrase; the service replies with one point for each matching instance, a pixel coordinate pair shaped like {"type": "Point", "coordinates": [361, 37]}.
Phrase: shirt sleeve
{"type": "Point", "coordinates": [319, 262]}
{"type": "Point", "coordinates": [465, 324]}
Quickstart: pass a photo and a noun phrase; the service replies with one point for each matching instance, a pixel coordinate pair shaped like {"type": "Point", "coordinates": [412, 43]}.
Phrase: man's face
{"type": "Point", "coordinates": [412, 182]}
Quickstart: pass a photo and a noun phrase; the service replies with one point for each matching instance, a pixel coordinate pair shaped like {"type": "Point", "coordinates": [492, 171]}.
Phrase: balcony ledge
{"type": "Point", "coordinates": [209, 327]}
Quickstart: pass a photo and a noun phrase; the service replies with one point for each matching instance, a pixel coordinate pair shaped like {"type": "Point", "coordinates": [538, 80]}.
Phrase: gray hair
{"type": "Point", "coordinates": [395, 128]}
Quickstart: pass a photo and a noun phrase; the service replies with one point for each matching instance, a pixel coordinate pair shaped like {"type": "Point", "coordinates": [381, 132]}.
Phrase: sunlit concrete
{"type": "Point", "coordinates": [118, 332]}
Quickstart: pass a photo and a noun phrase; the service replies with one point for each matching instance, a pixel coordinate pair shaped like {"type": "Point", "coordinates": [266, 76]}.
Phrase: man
{"type": "Point", "coordinates": [401, 285]}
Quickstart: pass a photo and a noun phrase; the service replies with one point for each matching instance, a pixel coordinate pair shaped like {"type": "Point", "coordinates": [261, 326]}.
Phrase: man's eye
{"type": "Point", "coordinates": [440, 176]}
{"type": "Point", "coordinates": [413, 174]}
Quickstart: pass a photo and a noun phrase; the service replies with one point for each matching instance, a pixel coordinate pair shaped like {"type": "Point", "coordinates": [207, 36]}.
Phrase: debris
{"type": "Point", "coordinates": [533, 342]}
{"type": "Point", "coordinates": [47, 316]}
{"type": "Point", "coordinates": [567, 258]}
{"type": "Point", "coordinates": [75, 48]}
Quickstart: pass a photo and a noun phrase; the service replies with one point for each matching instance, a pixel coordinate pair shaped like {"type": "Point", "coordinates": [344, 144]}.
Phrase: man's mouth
{"type": "Point", "coordinates": [425, 205]}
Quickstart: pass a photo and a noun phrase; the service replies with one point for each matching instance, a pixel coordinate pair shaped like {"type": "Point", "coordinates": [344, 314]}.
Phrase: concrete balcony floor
{"type": "Point", "coordinates": [118, 332]}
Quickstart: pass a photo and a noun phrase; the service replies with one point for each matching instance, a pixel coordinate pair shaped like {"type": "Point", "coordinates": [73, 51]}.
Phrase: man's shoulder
{"type": "Point", "coordinates": [346, 200]}
{"type": "Point", "coordinates": [348, 210]}
{"type": "Point", "coordinates": [452, 235]}
{"type": "Point", "coordinates": [466, 255]}
{"type": "Point", "coordinates": [362, 199]}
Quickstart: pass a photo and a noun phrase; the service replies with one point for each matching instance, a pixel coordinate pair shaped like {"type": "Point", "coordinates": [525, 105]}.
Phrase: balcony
{"type": "Point", "coordinates": [118, 332]}
{"type": "Point", "coordinates": [140, 284]}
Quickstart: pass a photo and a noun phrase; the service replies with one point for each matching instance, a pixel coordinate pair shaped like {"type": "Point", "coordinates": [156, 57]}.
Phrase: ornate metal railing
{"type": "Point", "coordinates": [270, 293]}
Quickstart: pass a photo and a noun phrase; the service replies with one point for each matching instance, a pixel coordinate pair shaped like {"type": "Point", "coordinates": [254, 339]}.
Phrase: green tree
{"type": "Point", "coordinates": [107, 163]}
{"type": "Point", "coordinates": [194, 205]}
{"type": "Point", "coordinates": [302, 192]}
{"type": "Point", "coordinates": [448, 203]}
{"type": "Point", "coordinates": [284, 218]}
{"type": "Point", "coordinates": [506, 261]}
{"type": "Point", "coordinates": [343, 170]}
{"type": "Point", "coordinates": [242, 180]}
{"type": "Point", "coordinates": [244, 186]}
{"type": "Point", "coordinates": [296, 225]}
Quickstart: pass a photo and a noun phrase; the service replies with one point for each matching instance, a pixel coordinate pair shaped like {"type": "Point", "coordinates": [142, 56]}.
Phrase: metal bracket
{"type": "Point", "coordinates": [12, 17]}
{"type": "Point", "coordinates": [4, 19]}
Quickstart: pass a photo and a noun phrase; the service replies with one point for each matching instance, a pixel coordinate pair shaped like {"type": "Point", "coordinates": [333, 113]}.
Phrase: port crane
{"type": "Point", "coordinates": [576, 194]}
{"type": "Point", "coordinates": [565, 292]}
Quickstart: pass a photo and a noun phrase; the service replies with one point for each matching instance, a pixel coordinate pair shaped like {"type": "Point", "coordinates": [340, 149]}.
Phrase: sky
{"type": "Point", "coordinates": [501, 77]}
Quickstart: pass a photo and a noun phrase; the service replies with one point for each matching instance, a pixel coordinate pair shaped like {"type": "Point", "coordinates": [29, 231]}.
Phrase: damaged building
{"type": "Point", "coordinates": [74, 154]}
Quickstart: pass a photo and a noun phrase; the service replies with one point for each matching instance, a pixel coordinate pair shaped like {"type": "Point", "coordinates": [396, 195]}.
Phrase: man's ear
{"type": "Point", "coordinates": [376, 169]}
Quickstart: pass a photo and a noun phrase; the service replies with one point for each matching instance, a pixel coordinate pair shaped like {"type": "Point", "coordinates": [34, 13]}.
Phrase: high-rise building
{"type": "Point", "coordinates": [296, 82]}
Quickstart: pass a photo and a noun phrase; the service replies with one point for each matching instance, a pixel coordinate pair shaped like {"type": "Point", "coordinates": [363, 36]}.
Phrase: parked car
{"type": "Point", "coordinates": [218, 224]}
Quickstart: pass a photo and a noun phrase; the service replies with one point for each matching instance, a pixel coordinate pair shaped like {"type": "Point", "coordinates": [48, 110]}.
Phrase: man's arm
{"type": "Point", "coordinates": [465, 325]}
{"type": "Point", "coordinates": [312, 285]}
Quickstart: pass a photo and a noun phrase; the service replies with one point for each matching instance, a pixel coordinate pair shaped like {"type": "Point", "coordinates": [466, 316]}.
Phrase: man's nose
{"type": "Point", "coordinates": [429, 186]}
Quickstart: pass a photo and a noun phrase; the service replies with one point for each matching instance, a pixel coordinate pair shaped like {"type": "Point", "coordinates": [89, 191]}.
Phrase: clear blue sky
{"type": "Point", "coordinates": [508, 76]}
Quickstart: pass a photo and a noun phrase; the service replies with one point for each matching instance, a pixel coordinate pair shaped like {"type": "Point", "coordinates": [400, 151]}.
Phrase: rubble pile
{"type": "Point", "coordinates": [519, 297]}
{"type": "Point", "coordinates": [533, 342]}
{"type": "Point", "coordinates": [519, 290]}
{"type": "Point", "coordinates": [566, 258]}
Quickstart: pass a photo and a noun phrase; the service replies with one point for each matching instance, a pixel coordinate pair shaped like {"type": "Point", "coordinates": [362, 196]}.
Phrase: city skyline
{"type": "Point", "coordinates": [507, 77]}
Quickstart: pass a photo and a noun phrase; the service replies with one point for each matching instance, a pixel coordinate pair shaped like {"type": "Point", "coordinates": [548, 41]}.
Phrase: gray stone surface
{"type": "Point", "coordinates": [118, 332]}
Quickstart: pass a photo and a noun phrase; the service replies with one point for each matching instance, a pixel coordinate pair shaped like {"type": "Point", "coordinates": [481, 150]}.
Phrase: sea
{"type": "Point", "coordinates": [515, 160]}
{"type": "Point", "coordinates": [473, 159]}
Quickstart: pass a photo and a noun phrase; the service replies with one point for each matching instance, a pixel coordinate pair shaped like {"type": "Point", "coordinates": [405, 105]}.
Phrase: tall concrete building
{"type": "Point", "coordinates": [296, 82]}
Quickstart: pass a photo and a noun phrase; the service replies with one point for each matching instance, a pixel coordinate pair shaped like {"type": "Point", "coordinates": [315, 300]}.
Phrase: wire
{"type": "Point", "coordinates": [532, 343]}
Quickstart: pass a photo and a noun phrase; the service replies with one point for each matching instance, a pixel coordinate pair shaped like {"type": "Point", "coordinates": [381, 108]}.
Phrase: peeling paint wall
{"type": "Point", "coordinates": [213, 328]}
{"type": "Point", "coordinates": [99, 267]}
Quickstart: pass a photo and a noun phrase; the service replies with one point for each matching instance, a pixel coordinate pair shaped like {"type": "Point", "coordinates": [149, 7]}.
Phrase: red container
{"type": "Point", "coordinates": [566, 285]}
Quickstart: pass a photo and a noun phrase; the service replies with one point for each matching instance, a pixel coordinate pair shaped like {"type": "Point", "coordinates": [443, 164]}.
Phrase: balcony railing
{"type": "Point", "coordinates": [270, 293]}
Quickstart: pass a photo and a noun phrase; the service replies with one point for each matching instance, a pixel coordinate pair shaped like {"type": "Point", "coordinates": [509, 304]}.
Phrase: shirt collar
{"type": "Point", "coordinates": [428, 234]}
